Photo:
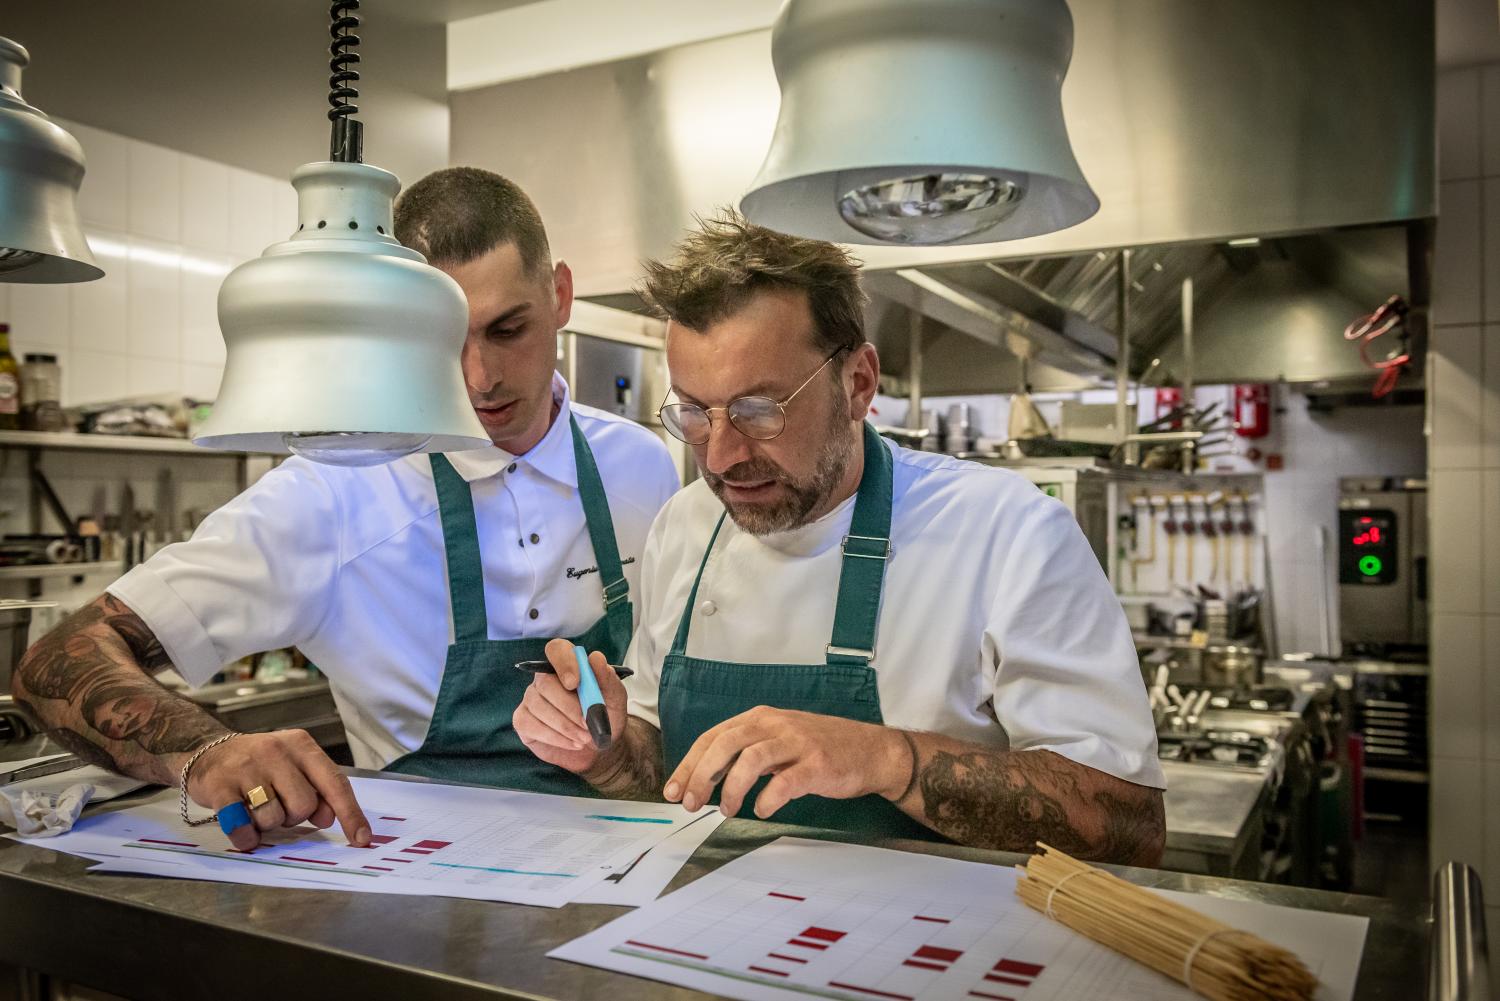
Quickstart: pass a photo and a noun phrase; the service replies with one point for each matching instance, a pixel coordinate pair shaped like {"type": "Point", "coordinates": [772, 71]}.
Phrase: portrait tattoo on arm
{"type": "Point", "coordinates": [90, 682]}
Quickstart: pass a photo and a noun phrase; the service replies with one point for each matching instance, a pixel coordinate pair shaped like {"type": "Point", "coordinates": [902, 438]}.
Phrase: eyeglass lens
{"type": "Point", "coordinates": [753, 416]}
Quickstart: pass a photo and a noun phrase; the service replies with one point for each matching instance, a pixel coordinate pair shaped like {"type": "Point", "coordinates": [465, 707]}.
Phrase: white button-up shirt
{"type": "Point", "coordinates": [997, 624]}
{"type": "Point", "coordinates": [347, 565]}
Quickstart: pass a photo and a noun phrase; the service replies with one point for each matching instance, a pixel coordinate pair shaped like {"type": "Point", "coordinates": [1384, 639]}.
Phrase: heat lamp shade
{"type": "Point", "coordinates": [341, 329]}
{"type": "Point", "coordinates": [41, 168]}
{"type": "Point", "coordinates": [876, 90]}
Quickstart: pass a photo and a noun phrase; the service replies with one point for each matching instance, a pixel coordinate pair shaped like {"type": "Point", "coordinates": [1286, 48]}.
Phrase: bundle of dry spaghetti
{"type": "Point", "coordinates": [1212, 958]}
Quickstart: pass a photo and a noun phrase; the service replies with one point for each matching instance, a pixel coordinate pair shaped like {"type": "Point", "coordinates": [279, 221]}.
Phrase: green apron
{"type": "Point", "coordinates": [471, 738]}
{"type": "Point", "coordinates": [698, 694]}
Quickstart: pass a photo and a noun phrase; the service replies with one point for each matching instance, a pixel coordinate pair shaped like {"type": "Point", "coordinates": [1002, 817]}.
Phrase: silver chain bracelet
{"type": "Point", "coordinates": [182, 783]}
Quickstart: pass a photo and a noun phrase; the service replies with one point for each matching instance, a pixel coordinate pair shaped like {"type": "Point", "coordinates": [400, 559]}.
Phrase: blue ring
{"type": "Point", "coordinates": [233, 816]}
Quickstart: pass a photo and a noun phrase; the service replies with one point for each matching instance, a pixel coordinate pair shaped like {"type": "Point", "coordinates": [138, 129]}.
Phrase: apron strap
{"type": "Point", "coordinates": [461, 544]}
{"type": "Point", "coordinates": [866, 550]}
{"type": "Point", "coordinates": [679, 644]}
{"type": "Point", "coordinates": [596, 515]}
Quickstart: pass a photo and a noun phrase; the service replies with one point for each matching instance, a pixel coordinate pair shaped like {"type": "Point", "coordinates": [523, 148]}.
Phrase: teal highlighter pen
{"type": "Point", "coordinates": [591, 700]}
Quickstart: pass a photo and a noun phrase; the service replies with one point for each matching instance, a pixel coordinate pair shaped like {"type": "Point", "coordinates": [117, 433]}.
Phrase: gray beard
{"type": "Point", "coordinates": [802, 497]}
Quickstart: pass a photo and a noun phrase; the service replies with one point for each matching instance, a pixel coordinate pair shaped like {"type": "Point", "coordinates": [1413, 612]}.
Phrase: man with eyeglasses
{"type": "Point", "coordinates": [843, 633]}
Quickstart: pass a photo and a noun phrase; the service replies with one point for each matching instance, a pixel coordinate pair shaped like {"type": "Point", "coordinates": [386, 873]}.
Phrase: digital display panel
{"type": "Point", "coordinates": [1367, 546]}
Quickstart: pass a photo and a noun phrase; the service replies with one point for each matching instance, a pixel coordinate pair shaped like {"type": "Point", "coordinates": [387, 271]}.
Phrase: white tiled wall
{"type": "Point", "coordinates": [1464, 469]}
{"type": "Point", "coordinates": [166, 227]}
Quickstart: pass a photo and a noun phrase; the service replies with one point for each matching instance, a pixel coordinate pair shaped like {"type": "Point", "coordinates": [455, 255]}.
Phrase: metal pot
{"type": "Point", "coordinates": [1232, 666]}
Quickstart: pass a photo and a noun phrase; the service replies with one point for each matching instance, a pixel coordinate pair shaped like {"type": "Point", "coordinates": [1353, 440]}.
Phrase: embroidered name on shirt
{"type": "Point", "coordinates": [574, 573]}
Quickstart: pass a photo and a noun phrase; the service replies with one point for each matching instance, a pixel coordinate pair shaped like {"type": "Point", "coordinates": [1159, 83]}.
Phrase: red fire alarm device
{"type": "Point", "coordinates": [1252, 410]}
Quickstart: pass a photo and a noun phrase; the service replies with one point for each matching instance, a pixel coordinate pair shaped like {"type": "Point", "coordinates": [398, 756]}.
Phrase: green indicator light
{"type": "Point", "coordinates": [1370, 565]}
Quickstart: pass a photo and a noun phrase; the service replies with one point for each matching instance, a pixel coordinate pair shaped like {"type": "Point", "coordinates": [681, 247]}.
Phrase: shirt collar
{"type": "Point", "coordinates": [552, 456]}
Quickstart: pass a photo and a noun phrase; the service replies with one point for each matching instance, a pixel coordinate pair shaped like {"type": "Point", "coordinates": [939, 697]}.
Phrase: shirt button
{"type": "Point", "coordinates": [707, 607]}
{"type": "Point", "coordinates": [533, 613]}
{"type": "Point", "coordinates": [511, 468]}
{"type": "Point", "coordinates": [535, 538]}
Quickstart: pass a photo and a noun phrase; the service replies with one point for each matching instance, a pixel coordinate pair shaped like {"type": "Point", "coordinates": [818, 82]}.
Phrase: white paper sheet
{"type": "Point", "coordinates": [854, 924]}
{"type": "Point", "coordinates": [434, 840]}
{"type": "Point", "coordinates": [15, 766]}
{"type": "Point", "coordinates": [647, 877]}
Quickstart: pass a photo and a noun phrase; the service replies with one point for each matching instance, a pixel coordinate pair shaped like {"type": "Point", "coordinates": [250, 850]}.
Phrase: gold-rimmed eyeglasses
{"type": "Point", "coordinates": [758, 417]}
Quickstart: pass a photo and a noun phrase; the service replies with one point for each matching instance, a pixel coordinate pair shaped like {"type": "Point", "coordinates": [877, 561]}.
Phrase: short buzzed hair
{"type": "Point", "coordinates": [454, 215]}
{"type": "Point", "coordinates": [727, 260]}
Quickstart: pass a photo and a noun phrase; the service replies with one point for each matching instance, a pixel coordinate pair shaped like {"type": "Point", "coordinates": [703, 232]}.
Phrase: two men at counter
{"type": "Point", "coordinates": [833, 630]}
{"type": "Point", "coordinates": [364, 569]}
{"type": "Point", "coordinates": [843, 632]}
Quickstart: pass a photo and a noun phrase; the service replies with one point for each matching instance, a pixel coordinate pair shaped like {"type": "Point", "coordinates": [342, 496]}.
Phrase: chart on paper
{"type": "Point", "coordinates": [855, 923]}
{"type": "Point", "coordinates": [427, 839]}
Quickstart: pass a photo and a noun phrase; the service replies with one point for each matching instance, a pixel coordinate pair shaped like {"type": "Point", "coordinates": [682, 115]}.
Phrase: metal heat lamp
{"type": "Point", "coordinates": [342, 345]}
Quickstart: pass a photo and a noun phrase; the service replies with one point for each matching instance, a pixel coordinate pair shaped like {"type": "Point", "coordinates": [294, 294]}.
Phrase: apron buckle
{"type": "Point", "coordinates": [851, 651]}
{"type": "Point", "coordinates": [624, 592]}
{"type": "Point", "coordinates": [879, 543]}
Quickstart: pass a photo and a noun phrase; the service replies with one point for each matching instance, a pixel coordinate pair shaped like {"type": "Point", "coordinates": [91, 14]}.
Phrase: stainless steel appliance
{"type": "Point", "coordinates": [1382, 563]}
{"type": "Point", "coordinates": [15, 628]}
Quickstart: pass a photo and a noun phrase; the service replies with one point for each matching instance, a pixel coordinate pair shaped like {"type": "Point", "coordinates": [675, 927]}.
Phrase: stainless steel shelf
{"type": "Point", "coordinates": [47, 570]}
{"type": "Point", "coordinates": [107, 443]}
{"type": "Point", "coordinates": [1396, 775]}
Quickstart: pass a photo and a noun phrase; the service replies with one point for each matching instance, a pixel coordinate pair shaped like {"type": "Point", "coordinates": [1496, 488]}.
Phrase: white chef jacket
{"type": "Point", "coordinates": [347, 565]}
{"type": "Point", "coordinates": [997, 625]}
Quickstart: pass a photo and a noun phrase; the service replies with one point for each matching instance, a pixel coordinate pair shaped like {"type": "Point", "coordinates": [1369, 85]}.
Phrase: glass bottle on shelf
{"type": "Point", "coordinates": [10, 384]}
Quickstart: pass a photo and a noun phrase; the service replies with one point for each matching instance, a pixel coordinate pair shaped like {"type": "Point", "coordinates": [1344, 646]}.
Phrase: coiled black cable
{"type": "Point", "coordinates": [346, 141]}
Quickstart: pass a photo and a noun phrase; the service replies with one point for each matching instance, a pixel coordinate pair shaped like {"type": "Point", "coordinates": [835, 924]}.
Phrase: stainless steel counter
{"type": "Point", "coordinates": [1214, 819]}
{"type": "Point", "coordinates": [152, 938]}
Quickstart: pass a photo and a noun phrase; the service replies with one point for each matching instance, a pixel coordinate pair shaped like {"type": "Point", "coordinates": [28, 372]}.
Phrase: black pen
{"type": "Point", "coordinates": [545, 667]}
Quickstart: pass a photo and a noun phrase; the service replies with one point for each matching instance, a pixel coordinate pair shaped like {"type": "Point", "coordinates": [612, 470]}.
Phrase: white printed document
{"type": "Point", "coordinates": [855, 923]}
{"type": "Point", "coordinates": [429, 839]}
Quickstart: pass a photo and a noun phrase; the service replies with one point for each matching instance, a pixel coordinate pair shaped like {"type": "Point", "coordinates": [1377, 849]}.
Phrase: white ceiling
{"type": "Point", "coordinates": [530, 39]}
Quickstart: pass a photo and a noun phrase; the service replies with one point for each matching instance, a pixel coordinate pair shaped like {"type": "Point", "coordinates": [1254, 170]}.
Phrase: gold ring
{"type": "Point", "coordinates": [259, 797]}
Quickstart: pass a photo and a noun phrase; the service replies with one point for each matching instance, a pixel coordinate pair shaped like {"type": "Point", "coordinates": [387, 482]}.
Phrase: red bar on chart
{"type": "Point", "coordinates": [432, 844]}
{"type": "Point", "coordinates": [822, 934]}
{"type": "Point", "coordinates": [393, 818]}
{"type": "Point", "coordinates": [990, 997]}
{"type": "Point", "coordinates": [378, 868]}
{"type": "Point", "coordinates": [314, 861]}
{"type": "Point", "coordinates": [407, 860]}
{"type": "Point", "coordinates": [789, 959]}
{"type": "Point", "coordinates": [923, 917]}
{"type": "Point", "coordinates": [174, 844]}
{"type": "Point", "coordinates": [937, 953]}
{"type": "Point", "coordinates": [1014, 972]}
{"type": "Point", "coordinates": [924, 966]}
{"type": "Point", "coordinates": [767, 969]}
{"type": "Point", "coordinates": [382, 839]}
{"type": "Point", "coordinates": [784, 896]}
{"type": "Point", "coordinates": [416, 851]}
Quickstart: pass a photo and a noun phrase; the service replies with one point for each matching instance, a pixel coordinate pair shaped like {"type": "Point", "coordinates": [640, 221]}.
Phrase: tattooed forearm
{"type": "Point", "coordinates": [633, 768]}
{"type": "Point", "coordinates": [87, 681]}
{"type": "Point", "coordinates": [1010, 800]}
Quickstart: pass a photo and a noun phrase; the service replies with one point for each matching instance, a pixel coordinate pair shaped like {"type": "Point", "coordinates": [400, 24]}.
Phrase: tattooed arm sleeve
{"type": "Point", "coordinates": [90, 683]}
{"type": "Point", "coordinates": [633, 768]}
{"type": "Point", "coordinates": [1010, 800]}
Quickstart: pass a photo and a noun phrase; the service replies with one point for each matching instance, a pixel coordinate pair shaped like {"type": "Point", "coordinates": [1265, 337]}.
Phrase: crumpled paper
{"type": "Point", "coordinates": [36, 813]}
{"type": "Point", "coordinates": [50, 805]}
